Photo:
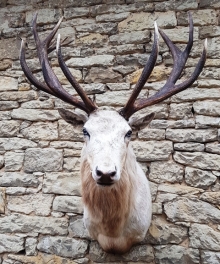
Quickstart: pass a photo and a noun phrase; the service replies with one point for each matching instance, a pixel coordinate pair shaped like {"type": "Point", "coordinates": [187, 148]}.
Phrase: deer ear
{"type": "Point", "coordinates": [141, 122]}
{"type": "Point", "coordinates": [74, 118]}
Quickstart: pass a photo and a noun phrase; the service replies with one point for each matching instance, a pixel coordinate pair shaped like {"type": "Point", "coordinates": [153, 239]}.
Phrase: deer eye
{"type": "Point", "coordinates": [85, 133]}
{"type": "Point", "coordinates": [128, 134]}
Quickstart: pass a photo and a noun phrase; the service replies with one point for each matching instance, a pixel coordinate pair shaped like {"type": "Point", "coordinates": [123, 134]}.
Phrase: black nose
{"type": "Point", "coordinates": [105, 178]}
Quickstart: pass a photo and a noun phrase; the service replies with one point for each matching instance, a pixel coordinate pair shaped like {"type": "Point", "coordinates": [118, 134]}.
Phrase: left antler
{"type": "Point", "coordinates": [53, 85]}
{"type": "Point", "coordinates": [169, 88]}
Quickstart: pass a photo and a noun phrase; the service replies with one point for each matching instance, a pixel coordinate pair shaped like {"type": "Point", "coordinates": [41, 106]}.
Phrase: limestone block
{"type": "Point", "coordinates": [153, 190]}
{"type": "Point", "coordinates": [14, 160]}
{"type": "Point", "coordinates": [20, 96]}
{"type": "Point", "coordinates": [8, 105]}
{"type": "Point", "coordinates": [142, 20]}
{"type": "Point", "coordinates": [39, 104]}
{"type": "Point", "coordinates": [200, 18]}
{"type": "Point", "coordinates": [62, 183]}
{"type": "Point", "coordinates": [102, 28]}
{"type": "Point", "coordinates": [2, 200]}
{"type": "Point", "coordinates": [177, 6]}
{"type": "Point", "coordinates": [176, 254]}
{"type": "Point", "coordinates": [151, 134]}
{"type": "Point", "coordinates": [112, 17]}
{"type": "Point", "coordinates": [69, 132]}
{"type": "Point", "coordinates": [133, 37]}
{"type": "Point", "coordinates": [190, 146]}
{"type": "Point", "coordinates": [8, 84]}
{"type": "Point", "coordinates": [92, 39]}
{"type": "Point", "coordinates": [45, 16]}
{"type": "Point", "coordinates": [183, 209]}
{"type": "Point", "coordinates": [210, 257]}
{"type": "Point", "coordinates": [137, 253]}
{"type": "Point", "coordinates": [207, 121]}
{"type": "Point", "coordinates": [211, 197]}
{"type": "Point", "coordinates": [2, 161]}
{"type": "Point", "coordinates": [204, 237]}
{"type": "Point", "coordinates": [71, 164]}
{"type": "Point", "coordinates": [63, 246]}
{"type": "Point", "coordinates": [72, 149]}
{"type": "Point", "coordinates": [213, 147]}
{"type": "Point", "coordinates": [35, 114]}
{"type": "Point", "coordinates": [163, 232]}
{"type": "Point", "coordinates": [137, 59]}
{"type": "Point", "coordinates": [103, 75]}
{"type": "Point", "coordinates": [94, 88]}
{"type": "Point", "coordinates": [209, 3]}
{"type": "Point", "coordinates": [199, 178]}
{"type": "Point", "coordinates": [118, 86]}
{"type": "Point", "coordinates": [152, 150]}
{"type": "Point", "coordinates": [77, 228]}
{"type": "Point", "coordinates": [68, 204]}
{"type": "Point", "coordinates": [60, 75]}
{"type": "Point", "coordinates": [161, 171]}
{"type": "Point", "coordinates": [16, 179]}
{"type": "Point", "coordinates": [182, 110]}
{"type": "Point", "coordinates": [9, 128]}
{"type": "Point", "coordinates": [41, 258]}
{"type": "Point", "coordinates": [207, 107]}
{"type": "Point", "coordinates": [37, 224]}
{"type": "Point", "coordinates": [160, 124]}
{"type": "Point", "coordinates": [196, 94]}
{"type": "Point", "coordinates": [41, 131]}
{"type": "Point", "coordinates": [16, 143]}
{"type": "Point", "coordinates": [9, 48]}
{"type": "Point", "coordinates": [38, 203]}
{"type": "Point", "coordinates": [186, 135]}
{"type": "Point", "coordinates": [11, 243]}
{"type": "Point", "coordinates": [75, 12]}
{"type": "Point", "coordinates": [209, 31]}
{"type": "Point", "coordinates": [200, 160]}
{"type": "Point", "coordinates": [113, 98]}
{"type": "Point", "coordinates": [5, 115]}
{"type": "Point", "coordinates": [37, 159]}
{"type": "Point", "coordinates": [160, 110]}
{"type": "Point", "coordinates": [31, 246]}
{"type": "Point", "coordinates": [179, 189]}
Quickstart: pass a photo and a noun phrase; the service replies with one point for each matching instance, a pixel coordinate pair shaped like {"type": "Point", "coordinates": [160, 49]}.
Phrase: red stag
{"type": "Point", "coordinates": [115, 190]}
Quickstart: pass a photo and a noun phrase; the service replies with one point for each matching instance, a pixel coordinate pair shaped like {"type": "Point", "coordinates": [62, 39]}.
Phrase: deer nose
{"type": "Point", "coordinates": [105, 178]}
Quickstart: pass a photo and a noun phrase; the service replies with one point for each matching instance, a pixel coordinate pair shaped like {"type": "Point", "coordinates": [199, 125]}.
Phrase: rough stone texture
{"type": "Point", "coordinates": [64, 247]}
{"type": "Point", "coordinates": [109, 43]}
{"type": "Point", "coordinates": [37, 159]}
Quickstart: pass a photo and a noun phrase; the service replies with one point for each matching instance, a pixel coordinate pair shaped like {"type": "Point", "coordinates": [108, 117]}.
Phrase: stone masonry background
{"type": "Point", "coordinates": [40, 203]}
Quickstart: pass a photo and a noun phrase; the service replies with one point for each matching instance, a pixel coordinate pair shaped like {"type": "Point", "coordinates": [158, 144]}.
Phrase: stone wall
{"type": "Point", "coordinates": [40, 203]}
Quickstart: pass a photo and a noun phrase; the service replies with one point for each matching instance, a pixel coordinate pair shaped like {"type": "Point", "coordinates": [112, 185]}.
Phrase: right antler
{"type": "Point", "coordinates": [53, 85]}
{"type": "Point", "coordinates": [133, 105]}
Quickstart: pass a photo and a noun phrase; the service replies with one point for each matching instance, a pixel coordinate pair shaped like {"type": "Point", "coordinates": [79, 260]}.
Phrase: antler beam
{"type": "Point", "coordinates": [169, 88]}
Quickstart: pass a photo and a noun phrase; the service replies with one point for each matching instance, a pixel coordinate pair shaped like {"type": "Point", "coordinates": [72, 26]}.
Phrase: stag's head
{"type": "Point", "coordinates": [107, 132]}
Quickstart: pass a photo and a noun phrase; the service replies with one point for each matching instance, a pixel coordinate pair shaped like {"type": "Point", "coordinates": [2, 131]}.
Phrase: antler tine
{"type": "Point", "coordinates": [89, 104]}
{"type": "Point", "coordinates": [28, 72]}
{"type": "Point", "coordinates": [128, 109]}
{"type": "Point", "coordinates": [49, 76]}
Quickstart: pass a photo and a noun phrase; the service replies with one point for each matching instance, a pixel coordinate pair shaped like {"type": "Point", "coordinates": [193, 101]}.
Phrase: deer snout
{"type": "Point", "coordinates": [106, 177]}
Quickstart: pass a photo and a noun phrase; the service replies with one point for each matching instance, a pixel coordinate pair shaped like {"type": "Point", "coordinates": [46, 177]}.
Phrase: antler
{"type": "Point", "coordinates": [169, 88]}
{"type": "Point", "coordinates": [53, 85]}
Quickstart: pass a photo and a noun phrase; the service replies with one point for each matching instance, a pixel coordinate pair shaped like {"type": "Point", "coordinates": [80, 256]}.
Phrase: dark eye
{"type": "Point", "coordinates": [85, 132]}
{"type": "Point", "coordinates": [128, 134]}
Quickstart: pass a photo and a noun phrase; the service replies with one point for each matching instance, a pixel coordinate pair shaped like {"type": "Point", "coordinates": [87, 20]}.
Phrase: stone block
{"type": "Point", "coordinates": [102, 28]}
{"type": "Point", "coordinates": [200, 18]}
{"type": "Point", "coordinates": [63, 246]}
{"type": "Point", "coordinates": [37, 224]}
{"type": "Point", "coordinates": [207, 121]}
{"type": "Point", "coordinates": [8, 84]}
{"type": "Point", "coordinates": [209, 31]}
{"type": "Point", "coordinates": [68, 204]}
{"type": "Point", "coordinates": [8, 105]}
{"type": "Point", "coordinates": [103, 75]}
{"type": "Point", "coordinates": [190, 146]}
{"type": "Point", "coordinates": [213, 147]}
{"type": "Point", "coordinates": [71, 164]}
{"type": "Point", "coordinates": [38, 104]}
{"type": "Point", "coordinates": [204, 237]}
{"type": "Point", "coordinates": [69, 132]}
{"type": "Point", "coordinates": [210, 257]}
{"type": "Point", "coordinates": [179, 189]}
{"type": "Point", "coordinates": [186, 135]}
{"type": "Point", "coordinates": [179, 111]}
{"type": "Point", "coordinates": [199, 178]}
{"type": "Point", "coordinates": [31, 246]}
{"type": "Point", "coordinates": [16, 143]}
{"type": "Point", "coordinates": [41, 131]}
{"type": "Point", "coordinates": [62, 183]}
{"type": "Point", "coordinates": [37, 159]}
{"type": "Point", "coordinates": [20, 96]}
{"type": "Point", "coordinates": [9, 48]}
{"type": "Point", "coordinates": [14, 160]}
{"type": "Point", "coordinates": [11, 243]}
{"type": "Point", "coordinates": [113, 98]}
{"type": "Point", "coordinates": [38, 203]}
{"type": "Point", "coordinates": [9, 128]}
{"type": "Point", "coordinates": [77, 228]}
{"type": "Point", "coordinates": [2, 200]}
{"type": "Point", "coordinates": [183, 209]}
{"type": "Point", "coordinates": [152, 150]}
{"type": "Point", "coordinates": [161, 171]}
{"type": "Point", "coordinates": [92, 39]}
{"type": "Point", "coordinates": [16, 179]}
{"type": "Point", "coordinates": [211, 197]}
{"type": "Point", "coordinates": [207, 107]}
{"type": "Point", "coordinates": [151, 134]}
{"type": "Point", "coordinates": [133, 37]}
{"type": "Point", "coordinates": [35, 114]}
{"type": "Point", "coordinates": [45, 16]}
{"type": "Point", "coordinates": [96, 60]}
{"type": "Point", "coordinates": [112, 17]}
{"type": "Point", "coordinates": [73, 12]}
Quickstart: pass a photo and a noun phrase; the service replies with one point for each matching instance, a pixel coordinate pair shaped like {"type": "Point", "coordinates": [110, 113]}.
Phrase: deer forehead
{"type": "Point", "coordinates": [108, 122]}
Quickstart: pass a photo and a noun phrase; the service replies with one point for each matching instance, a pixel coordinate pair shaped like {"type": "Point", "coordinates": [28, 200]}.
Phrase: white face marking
{"type": "Point", "coordinates": [106, 144]}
